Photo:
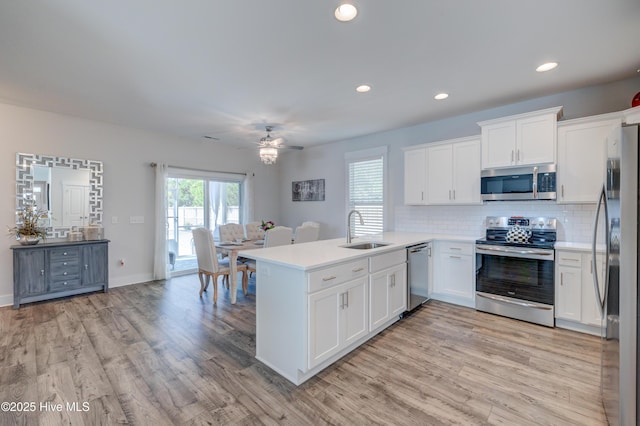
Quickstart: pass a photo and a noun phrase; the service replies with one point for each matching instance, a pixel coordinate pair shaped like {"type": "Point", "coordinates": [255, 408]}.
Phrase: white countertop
{"type": "Point", "coordinates": [572, 246]}
{"type": "Point", "coordinates": [323, 253]}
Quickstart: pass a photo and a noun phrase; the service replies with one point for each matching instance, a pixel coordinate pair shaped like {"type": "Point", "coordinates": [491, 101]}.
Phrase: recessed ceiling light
{"type": "Point", "coordinates": [363, 88]}
{"type": "Point", "coordinates": [547, 67]}
{"type": "Point", "coordinates": [441, 96]}
{"type": "Point", "coordinates": [346, 12]}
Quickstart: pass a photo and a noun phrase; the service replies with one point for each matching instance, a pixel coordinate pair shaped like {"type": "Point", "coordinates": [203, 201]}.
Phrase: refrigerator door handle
{"type": "Point", "coordinates": [602, 202]}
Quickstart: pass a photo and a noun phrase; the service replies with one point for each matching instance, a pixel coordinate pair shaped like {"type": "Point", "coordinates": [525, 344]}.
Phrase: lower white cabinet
{"type": "Point", "coordinates": [575, 299]}
{"type": "Point", "coordinates": [387, 295]}
{"type": "Point", "coordinates": [308, 319]}
{"type": "Point", "coordinates": [337, 317]}
{"type": "Point", "coordinates": [454, 273]}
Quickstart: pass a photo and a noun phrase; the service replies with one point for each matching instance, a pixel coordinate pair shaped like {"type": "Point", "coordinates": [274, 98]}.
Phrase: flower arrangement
{"type": "Point", "coordinates": [28, 226]}
{"type": "Point", "coordinates": [267, 225]}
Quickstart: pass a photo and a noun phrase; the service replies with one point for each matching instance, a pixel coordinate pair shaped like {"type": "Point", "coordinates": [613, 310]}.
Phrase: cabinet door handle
{"type": "Point", "coordinates": [591, 266]}
{"type": "Point", "coordinates": [455, 257]}
{"type": "Point", "coordinates": [64, 273]}
{"type": "Point", "coordinates": [346, 296]}
{"type": "Point", "coordinates": [86, 267]}
{"type": "Point", "coordinates": [512, 156]}
{"type": "Point", "coordinates": [562, 190]}
{"type": "Point", "coordinates": [333, 277]}
{"type": "Point", "coordinates": [518, 156]}
{"type": "Point", "coordinates": [393, 280]}
{"type": "Point", "coordinates": [455, 248]}
{"type": "Point", "coordinates": [561, 278]}
{"type": "Point", "coordinates": [454, 194]}
{"type": "Point", "coordinates": [341, 300]}
{"type": "Point", "coordinates": [571, 260]}
{"type": "Point", "coordinates": [449, 194]}
{"type": "Point", "coordinates": [422, 195]}
{"type": "Point", "coordinates": [64, 263]}
{"type": "Point", "coordinates": [357, 270]}
{"type": "Point", "coordinates": [42, 272]}
{"type": "Point", "coordinates": [64, 254]}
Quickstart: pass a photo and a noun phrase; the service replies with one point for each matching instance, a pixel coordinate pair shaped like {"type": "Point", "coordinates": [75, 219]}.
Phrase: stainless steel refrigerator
{"type": "Point", "coordinates": [615, 240]}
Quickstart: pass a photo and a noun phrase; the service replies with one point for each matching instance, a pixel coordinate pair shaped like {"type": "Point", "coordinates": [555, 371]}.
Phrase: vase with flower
{"type": "Point", "coordinates": [269, 224]}
{"type": "Point", "coordinates": [28, 230]}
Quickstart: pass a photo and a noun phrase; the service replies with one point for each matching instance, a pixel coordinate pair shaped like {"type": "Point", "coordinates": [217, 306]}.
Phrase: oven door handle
{"type": "Point", "coordinates": [514, 302]}
{"type": "Point", "coordinates": [501, 250]}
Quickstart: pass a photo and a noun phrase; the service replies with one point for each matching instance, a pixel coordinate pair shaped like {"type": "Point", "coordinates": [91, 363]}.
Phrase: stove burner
{"type": "Point", "coordinates": [543, 231]}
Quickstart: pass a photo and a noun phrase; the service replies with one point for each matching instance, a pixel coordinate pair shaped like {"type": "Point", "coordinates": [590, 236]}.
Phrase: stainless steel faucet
{"type": "Point", "coordinates": [349, 224]}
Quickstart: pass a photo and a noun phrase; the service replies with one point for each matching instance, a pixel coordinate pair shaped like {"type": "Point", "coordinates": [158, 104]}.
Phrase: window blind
{"type": "Point", "coordinates": [366, 194]}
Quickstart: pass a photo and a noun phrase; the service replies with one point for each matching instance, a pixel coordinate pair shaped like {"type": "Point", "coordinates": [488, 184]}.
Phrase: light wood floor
{"type": "Point", "coordinates": [156, 354]}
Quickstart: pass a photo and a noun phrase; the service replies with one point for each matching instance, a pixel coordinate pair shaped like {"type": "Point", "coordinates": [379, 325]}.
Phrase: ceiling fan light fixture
{"type": "Point", "coordinates": [363, 88]}
{"type": "Point", "coordinates": [268, 155]}
{"type": "Point", "coordinates": [441, 96]}
{"type": "Point", "coordinates": [346, 12]}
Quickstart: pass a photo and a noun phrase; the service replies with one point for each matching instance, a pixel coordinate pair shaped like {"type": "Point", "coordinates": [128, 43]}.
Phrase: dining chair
{"type": "Point", "coordinates": [306, 233]}
{"type": "Point", "coordinates": [208, 265]}
{"type": "Point", "coordinates": [278, 236]}
{"type": "Point", "coordinates": [253, 231]}
{"type": "Point", "coordinates": [231, 232]}
{"type": "Point", "coordinates": [311, 223]}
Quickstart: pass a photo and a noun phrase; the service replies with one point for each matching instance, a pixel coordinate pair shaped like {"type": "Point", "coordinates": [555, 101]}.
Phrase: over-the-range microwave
{"type": "Point", "coordinates": [519, 183]}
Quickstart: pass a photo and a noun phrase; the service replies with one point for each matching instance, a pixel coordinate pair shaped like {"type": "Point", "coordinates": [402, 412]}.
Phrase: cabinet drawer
{"type": "Point", "coordinates": [328, 277]}
{"type": "Point", "coordinates": [569, 258]}
{"type": "Point", "coordinates": [64, 254]}
{"type": "Point", "coordinates": [387, 260]}
{"type": "Point", "coordinates": [455, 248]}
{"type": "Point", "coordinates": [60, 284]}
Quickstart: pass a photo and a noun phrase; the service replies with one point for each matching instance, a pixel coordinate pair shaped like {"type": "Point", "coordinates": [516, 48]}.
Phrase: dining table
{"type": "Point", "coordinates": [231, 249]}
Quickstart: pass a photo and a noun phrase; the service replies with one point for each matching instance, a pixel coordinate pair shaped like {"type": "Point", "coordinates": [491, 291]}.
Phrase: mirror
{"type": "Point", "coordinates": [69, 189]}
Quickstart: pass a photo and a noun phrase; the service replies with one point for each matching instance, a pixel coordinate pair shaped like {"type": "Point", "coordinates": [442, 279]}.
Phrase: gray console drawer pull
{"type": "Point", "coordinates": [357, 270]}
{"type": "Point", "coordinates": [333, 277]}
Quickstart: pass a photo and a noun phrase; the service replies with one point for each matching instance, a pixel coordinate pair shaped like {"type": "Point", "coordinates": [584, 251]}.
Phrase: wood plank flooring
{"type": "Point", "coordinates": [157, 354]}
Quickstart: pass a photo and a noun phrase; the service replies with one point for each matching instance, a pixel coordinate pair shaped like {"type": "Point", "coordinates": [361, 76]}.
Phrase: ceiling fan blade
{"type": "Point", "coordinates": [297, 147]}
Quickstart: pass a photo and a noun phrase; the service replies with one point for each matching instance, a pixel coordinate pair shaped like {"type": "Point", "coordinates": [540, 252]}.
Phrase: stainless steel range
{"type": "Point", "coordinates": [515, 268]}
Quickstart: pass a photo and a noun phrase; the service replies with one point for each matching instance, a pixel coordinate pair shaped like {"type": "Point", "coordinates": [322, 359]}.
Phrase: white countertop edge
{"type": "Point", "coordinates": [572, 246]}
{"type": "Point", "coordinates": [323, 253]}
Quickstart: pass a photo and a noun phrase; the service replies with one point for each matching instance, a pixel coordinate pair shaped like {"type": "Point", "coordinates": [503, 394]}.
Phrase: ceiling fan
{"type": "Point", "coordinates": [269, 147]}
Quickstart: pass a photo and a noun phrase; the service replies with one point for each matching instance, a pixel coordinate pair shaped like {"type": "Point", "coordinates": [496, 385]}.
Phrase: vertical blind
{"type": "Point", "coordinates": [366, 194]}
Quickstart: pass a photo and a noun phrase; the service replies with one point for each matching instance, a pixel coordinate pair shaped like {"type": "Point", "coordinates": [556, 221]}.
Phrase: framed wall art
{"type": "Point", "coordinates": [307, 190]}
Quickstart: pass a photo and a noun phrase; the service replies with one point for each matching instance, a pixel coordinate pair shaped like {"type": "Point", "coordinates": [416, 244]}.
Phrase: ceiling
{"type": "Point", "coordinates": [228, 68]}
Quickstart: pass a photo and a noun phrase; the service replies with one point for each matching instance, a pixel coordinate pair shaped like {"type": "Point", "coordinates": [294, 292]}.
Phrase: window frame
{"type": "Point", "coordinates": [366, 155]}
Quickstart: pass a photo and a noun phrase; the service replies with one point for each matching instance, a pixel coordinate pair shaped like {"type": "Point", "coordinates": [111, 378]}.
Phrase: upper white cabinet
{"type": "Point", "coordinates": [520, 139]}
{"type": "Point", "coordinates": [445, 172]}
{"type": "Point", "coordinates": [415, 176]}
{"type": "Point", "coordinates": [582, 156]}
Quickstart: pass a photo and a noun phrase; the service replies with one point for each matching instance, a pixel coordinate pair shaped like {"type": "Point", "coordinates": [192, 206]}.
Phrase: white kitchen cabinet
{"type": "Point", "coordinates": [453, 172]}
{"type": "Point", "coordinates": [520, 139]}
{"type": "Point", "coordinates": [582, 157]}
{"type": "Point", "coordinates": [575, 300]}
{"type": "Point", "coordinates": [337, 317]}
{"type": "Point", "coordinates": [387, 288]}
{"type": "Point", "coordinates": [415, 176]}
{"type": "Point", "coordinates": [454, 273]}
{"type": "Point", "coordinates": [388, 295]}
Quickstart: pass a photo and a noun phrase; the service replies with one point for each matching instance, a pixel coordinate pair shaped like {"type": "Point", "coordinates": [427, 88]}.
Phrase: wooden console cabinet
{"type": "Point", "coordinates": [59, 269]}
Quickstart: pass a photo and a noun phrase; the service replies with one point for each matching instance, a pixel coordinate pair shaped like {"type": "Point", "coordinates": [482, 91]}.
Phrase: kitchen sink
{"type": "Point", "coordinates": [366, 246]}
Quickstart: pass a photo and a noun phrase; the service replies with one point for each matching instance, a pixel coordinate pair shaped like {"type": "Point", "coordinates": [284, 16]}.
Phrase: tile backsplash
{"type": "Point", "coordinates": [575, 221]}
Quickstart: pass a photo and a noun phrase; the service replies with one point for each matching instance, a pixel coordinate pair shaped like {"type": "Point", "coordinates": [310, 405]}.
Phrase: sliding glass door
{"type": "Point", "coordinates": [195, 202]}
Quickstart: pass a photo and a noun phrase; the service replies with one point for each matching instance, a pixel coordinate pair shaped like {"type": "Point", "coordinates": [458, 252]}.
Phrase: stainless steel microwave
{"type": "Point", "coordinates": [519, 183]}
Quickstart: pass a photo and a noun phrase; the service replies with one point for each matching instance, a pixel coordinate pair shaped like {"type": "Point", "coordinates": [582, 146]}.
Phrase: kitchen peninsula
{"type": "Point", "coordinates": [317, 301]}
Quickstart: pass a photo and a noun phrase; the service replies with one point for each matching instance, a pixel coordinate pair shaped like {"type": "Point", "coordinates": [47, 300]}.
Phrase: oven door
{"type": "Point", "coordinates": [516, 273]}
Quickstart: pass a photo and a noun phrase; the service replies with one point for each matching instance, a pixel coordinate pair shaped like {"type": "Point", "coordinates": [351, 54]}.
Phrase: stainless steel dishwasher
{"type": "Point", "coordinates": [418, 275]}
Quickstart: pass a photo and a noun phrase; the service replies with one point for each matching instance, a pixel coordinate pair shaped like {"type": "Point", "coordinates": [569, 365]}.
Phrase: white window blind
{"type": "Point", "coordinates": [366, 193]}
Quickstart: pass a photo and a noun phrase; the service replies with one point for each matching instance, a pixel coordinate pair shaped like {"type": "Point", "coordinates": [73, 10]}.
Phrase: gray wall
{"type": "Point", "coordinates": [327, 161]}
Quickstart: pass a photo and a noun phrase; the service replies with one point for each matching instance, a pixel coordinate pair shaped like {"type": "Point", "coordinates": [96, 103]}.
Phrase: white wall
{"type": "Point", "coordinates": [327, 161]}
{"type": "Point", "coordinates": [128, 179]}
